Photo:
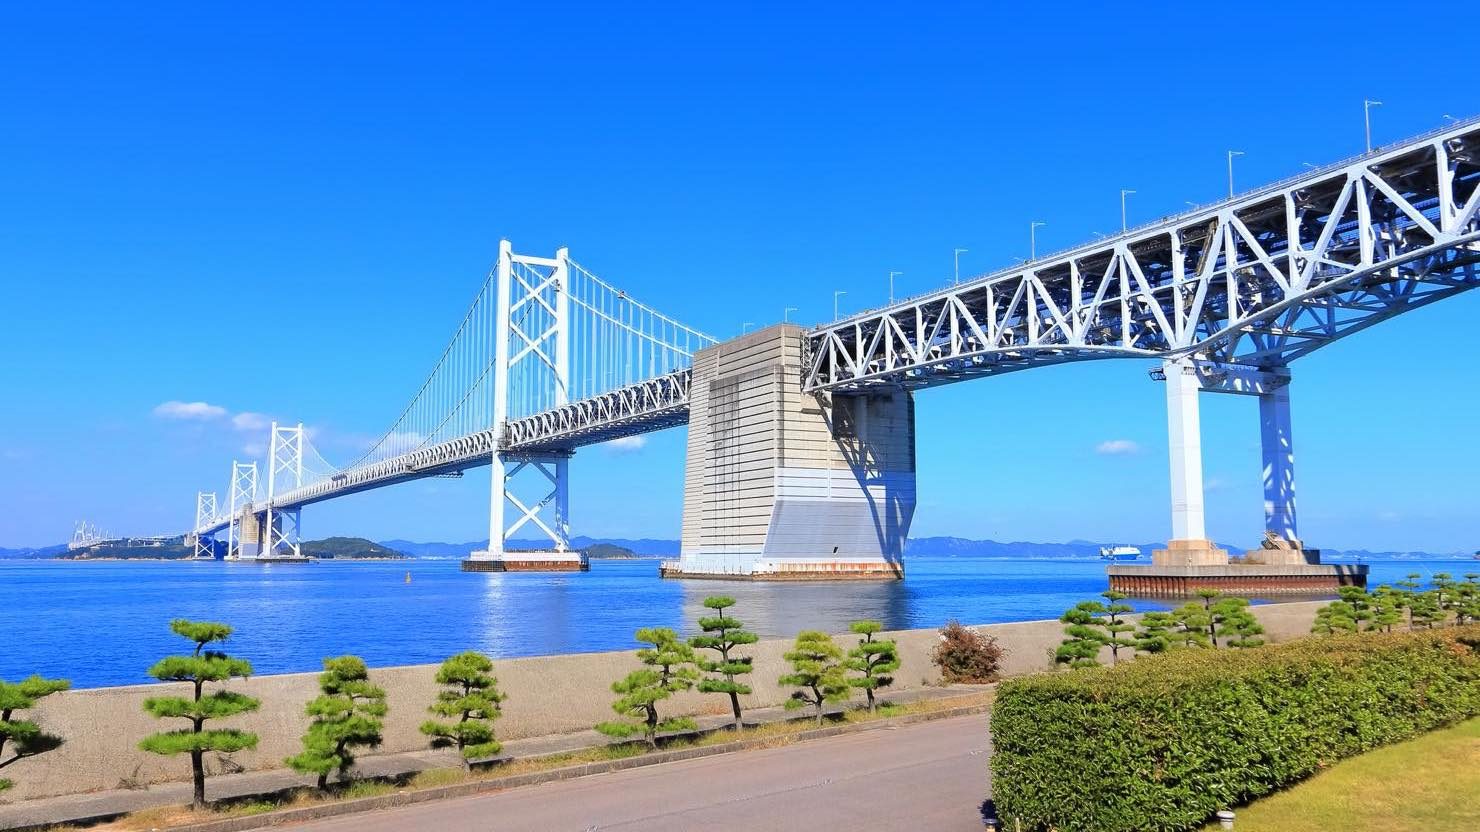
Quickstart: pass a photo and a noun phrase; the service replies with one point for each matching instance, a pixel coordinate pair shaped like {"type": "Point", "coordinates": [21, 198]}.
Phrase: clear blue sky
{"type": "Point", "coordinates": [283, 210]}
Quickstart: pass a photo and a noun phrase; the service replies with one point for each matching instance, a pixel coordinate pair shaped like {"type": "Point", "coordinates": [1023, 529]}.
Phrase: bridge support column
{"type": "Point", "coordinates": [1281, 564]}
{"type": "Point", "coordinates": [782, 485]}
{"type": "Point", "coordinates": [1189, 545]}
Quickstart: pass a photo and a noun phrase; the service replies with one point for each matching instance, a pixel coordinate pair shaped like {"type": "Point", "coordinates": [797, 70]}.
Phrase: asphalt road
{"type": "Point", "coordinates": [928, 776]}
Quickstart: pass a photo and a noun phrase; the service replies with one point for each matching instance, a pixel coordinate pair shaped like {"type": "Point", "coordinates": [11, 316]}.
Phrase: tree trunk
{"type": "Point", "coordinates": [870, 692]}
{"type": "Point", "coordinates": [323, 781]}
{"type": "Point", "coordinates": [735, 706]}
{"type": "Point", "coordinates": [198, 775]}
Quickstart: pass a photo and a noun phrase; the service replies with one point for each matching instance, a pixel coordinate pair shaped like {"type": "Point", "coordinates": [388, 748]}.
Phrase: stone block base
{"type": "Point", "coordinates": [1258, 580]}
{"type": "Point", "coordinates": [794, 570]}
{"type": "Point", "coordinates": [528, 562]}
{"type": "Point", "coordinates": [1190, 553]}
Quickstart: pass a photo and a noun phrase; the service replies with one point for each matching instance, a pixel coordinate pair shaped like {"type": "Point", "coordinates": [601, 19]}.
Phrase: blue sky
{"type": "Point", "coordinates": [283, 209]}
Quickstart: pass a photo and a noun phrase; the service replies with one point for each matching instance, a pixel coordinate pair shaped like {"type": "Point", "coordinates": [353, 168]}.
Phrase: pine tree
{"type": "Point", "coordinates": [817, 672]}
{"type": "Point", "coordinates": [1359, 603]}
{"type": "Point", "coordinates": [1423, 608]}
{"type": "Point", "coordinates": [198, 668]}
{"type": "Point", "coordinates": [1156, 632]}
{"type": "Point", "coordinates": [872, 659]}
{"type": "Point", "coordinates": [1116, 627]}
{"type": "Point", "coordinates": [723, 634]}
{"type": "Point", "coordinates": [1085, 635]}
{"type": "Point", "coordinates": [347, 715]}
{"type": "Point", "coordinates": [669, 670]}
{"type": "Point", "coordinates": [1335, 617]}
{"type": "Point", "coordinates": [1407, 590]}
{"type": "Point", "coordinates": [1387, 609]}
{"type": "Point", "coordinates": [24, 736]}
{"type": "Point", "coordinates": [471, 696]}
{"type": "Point", "coordinates": [1235, 624]}
{"type": "Point", "coordinates": [1193, 621]}
{"type": "Point", "coordinates": [1208, 596]}
{"type": "Point", "coordinates": [1468, 607]}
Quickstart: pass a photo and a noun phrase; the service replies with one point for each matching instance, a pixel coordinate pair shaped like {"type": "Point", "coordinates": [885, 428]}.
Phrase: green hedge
{"type": "Point", "coordinates": [1165, 741]}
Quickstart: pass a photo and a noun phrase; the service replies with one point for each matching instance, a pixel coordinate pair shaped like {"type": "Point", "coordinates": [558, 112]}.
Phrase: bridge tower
{"type": "Point", "coordinates": [531, 373]}
{"type": "Point", "coordinates": [240, 496]}
{"type": "Point", "coordinates": [205, 513]}
{"type": "Point", "coordinates": [280, 529]}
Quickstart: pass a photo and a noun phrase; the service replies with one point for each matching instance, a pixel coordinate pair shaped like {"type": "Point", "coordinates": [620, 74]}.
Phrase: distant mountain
{"type": "Point", "coordinates": [607, 550]}
{"type": "Point", "coordinates": [43, 552]}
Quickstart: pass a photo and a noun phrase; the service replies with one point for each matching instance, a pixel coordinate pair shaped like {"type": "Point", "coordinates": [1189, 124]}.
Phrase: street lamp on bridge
{"type": "Point", "coordinates": [837, 295]}
{"type": "Point", "coordinates": [1367, 105]}
{"type": "Point", "coordinates": [892, 275]}
{"type": "Point", "coordinates": [959, 252]}
{"type": "Point", "coordinates": [1231, 154]}
{"type": "Point", "coordinates": [1033, 238]}
{"type": "Point", "coordinates": [786, 314]}
{"type": "Point", "coordinates": [1124, 192]}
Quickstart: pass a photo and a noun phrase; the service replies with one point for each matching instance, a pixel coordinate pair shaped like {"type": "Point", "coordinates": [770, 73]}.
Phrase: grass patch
{"type": "Point", "coordinates": [1427, 784]}
{"type": "Point", "coordinates": [771, 735]}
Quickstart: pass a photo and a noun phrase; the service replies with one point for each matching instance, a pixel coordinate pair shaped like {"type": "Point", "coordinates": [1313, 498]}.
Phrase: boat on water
{"type": "Point", "coordinates": [1119, 553]}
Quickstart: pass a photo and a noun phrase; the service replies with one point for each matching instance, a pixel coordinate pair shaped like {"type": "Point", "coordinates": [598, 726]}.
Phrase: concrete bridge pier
{"type": "Point", "coordinates": [782, 485]}
{"type": "Point", "coordinates": [548, 518]}
{"type": "Point", "coordinates": [1280, 563]}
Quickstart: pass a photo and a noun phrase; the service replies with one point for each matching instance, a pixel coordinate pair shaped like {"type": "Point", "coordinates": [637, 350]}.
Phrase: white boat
{"type": "Point", "coordinates": [1119, 553]}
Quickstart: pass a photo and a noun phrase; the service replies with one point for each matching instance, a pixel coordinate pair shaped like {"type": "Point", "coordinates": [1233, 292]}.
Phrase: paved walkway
{"type": "Point", "coordinates": [925, 776]}
{"type": "Point", "coordinates": [115, 802]}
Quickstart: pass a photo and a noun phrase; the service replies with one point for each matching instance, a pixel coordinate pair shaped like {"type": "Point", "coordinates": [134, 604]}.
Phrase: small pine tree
{"type": "Point", "coordinates": [1359, 603]}
{"type": "Point", "coordinates": [1387, 609]}
{"type": "Point", "coordinates": [817, 672]}
{"type": "Point", "coordinates": [1468, 608]}
{"type": "Point", "coordinates": [1156, 632]}
{"type": "Point", "coordinates": [723, 634]}
{"type": "Point", "coordinates": [1424, 609]}
{"type": "Point", "coordinates": [1118, 631]}
{"type": "Point", "coordinates": [1335, 617]}
{"type": "Point", "coordinates": [471, 696]}
{"type": "Point", "coordinates": [198, 668]}
{"type": "Point", "coordinates": [24, 736]}
{"type": "Point", "coordinates": [1193, 621]}
{"type": "Point", "coordinates": [872, 660]}
{"type": "Point", "coordinates": [347, 715]}
{"type": "Point", "coordinates": [1237, 626]}
{"type": "Point", "coordinates": [1407, 590]}
{"type": "Point", "coordinates": [1085, 635]}
{"type": "Point", "coordinates": [1208, 596]}
{"type": "Point", "coordinates": [669, 670]}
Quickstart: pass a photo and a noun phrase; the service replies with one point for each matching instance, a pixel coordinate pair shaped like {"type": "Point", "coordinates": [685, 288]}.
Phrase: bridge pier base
{"type": "Point", "coordinates": [782, 485]}
{"type": "Point", "coordinates": [554, 467]}
{"type": "Point", "coordinates": [1281, 565]}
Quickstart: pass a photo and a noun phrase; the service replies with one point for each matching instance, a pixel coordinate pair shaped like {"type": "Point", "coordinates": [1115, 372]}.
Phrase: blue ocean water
{"type": "Point", "coordinates": [103, 623]}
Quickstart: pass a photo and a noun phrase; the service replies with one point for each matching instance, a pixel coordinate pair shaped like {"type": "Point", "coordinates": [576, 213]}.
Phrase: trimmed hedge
{"type": "Point", "coordinates": [1164, 742]}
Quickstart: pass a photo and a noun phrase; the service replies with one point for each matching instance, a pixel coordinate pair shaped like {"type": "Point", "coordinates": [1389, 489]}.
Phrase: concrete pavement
{"type": "Point", "coordinates": [926, 776]}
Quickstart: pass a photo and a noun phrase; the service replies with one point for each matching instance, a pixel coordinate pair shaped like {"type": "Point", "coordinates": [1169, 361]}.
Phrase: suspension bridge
{"type": "Point", "coordinates": [800, 458]}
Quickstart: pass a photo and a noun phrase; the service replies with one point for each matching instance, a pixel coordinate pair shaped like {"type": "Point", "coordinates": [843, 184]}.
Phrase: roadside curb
{"type": "Point", "coordinates": [410, 798]}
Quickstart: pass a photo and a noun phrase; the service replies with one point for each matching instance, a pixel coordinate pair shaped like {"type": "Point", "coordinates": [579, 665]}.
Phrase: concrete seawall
{"type": "Point", "coordinates": [547, 695]}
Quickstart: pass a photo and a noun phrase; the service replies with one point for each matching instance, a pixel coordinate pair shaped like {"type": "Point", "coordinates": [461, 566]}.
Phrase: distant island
{"type": "Point", "coordinates": [330, 548]}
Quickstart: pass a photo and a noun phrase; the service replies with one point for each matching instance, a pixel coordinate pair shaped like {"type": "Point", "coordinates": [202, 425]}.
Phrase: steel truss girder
{"type": "Point", "coordinates": [1261, 279]}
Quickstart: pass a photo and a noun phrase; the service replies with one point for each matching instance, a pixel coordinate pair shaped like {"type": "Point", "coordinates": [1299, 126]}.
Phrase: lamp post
{"type": "Point", "coordinates": [959, 252]}
{"type": "Point", "coordinates": [786, 314]}
{"type": "Point", "coordinates": [892, 275]}
{"type": "Point", "coordinates": [837, 295]}
{"type": "Point", "coordinates": [1124, 192]}
{"type": "Point", "coordinates": [1367, 105]}
{"type": "Point", "coordinates": [1231, 154]}
{"type": "Point", "coordinates": [1033, 238]}
{"type": "Point", "coordinates": [745, 327]}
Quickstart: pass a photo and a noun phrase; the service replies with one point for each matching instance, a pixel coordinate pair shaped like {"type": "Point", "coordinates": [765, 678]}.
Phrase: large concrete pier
{"type": "Point", "coordinates": [783, 485]}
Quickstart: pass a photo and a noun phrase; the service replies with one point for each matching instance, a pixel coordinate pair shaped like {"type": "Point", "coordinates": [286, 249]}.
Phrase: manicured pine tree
{"type": "Point", "coordinates": [1193, 621]}
{"type": "Point", "coordinates": [1117, 630]}
{"type": "Point", "coordinates": [1387, 609]}
{"type": "Point", "coordinates": [1085, 635]}
{"type": "Point", "coordinates": [1358, 602]}
{"type": "Point", "coordinates": [1423, 608]}
{"type": "Point", "coordinates": [669, 670]}
{"type": "Point", "coordinates": [817, 672]}
{"type": "Point", "coordinates": [346, 715]}
{"type": "Point", "coordinates": [1208, 596]}
{"type": "Point", "coordinates": [723, 634]}
{"type": "Point", "coordinates": [1156, 632]}
{"type": "Point", "coordinates": [1446, 588]}
{"type": "Point", "coordinates": [1235, 624]}
{"type": "Point", "coordinates": [197, 669]}
{"type": "Point", "coordinates": [1408, 590]}
{"type": "Point", "coordinates": [471, 697]}
{"type": "Point", "coordinates": [872, 659]}
{"type": "Point", "coordinates": [23, 736]}
{"type": "Point", "coordinates": [1335, 617]}
{"type": "Point", "coordinates": [1468, 609]}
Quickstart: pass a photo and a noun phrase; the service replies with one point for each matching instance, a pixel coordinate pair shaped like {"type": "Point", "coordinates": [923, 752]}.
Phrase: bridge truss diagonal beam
{"type": "Point", "coordinates": [1260, 279]}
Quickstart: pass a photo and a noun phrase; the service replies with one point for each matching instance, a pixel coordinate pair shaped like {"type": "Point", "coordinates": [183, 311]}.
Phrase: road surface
{"type": "Point", "coordinates": [926, 776]}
